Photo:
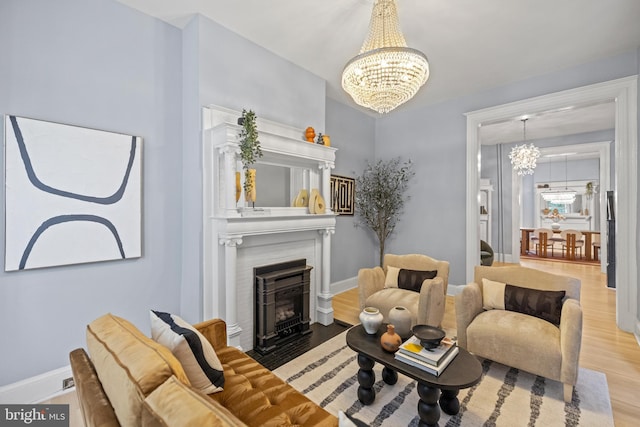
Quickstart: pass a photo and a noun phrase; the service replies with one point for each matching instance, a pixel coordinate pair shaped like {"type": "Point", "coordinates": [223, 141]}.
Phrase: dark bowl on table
{"type": "Point", "coordinates": [429, 336]}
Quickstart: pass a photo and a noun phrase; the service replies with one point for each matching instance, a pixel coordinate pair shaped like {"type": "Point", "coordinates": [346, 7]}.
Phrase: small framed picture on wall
{"type": "Point", "coordinates": [342, 194]}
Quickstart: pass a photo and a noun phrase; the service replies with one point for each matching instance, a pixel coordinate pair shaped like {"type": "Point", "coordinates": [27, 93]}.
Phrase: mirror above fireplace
{"type": "Point", "coordinates": [289, 164]}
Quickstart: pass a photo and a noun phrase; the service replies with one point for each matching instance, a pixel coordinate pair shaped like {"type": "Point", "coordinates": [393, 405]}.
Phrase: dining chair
{"type": "Point", "coordinates": [571, 240]}
{"type": "Point", "coordinates": [542, 239]}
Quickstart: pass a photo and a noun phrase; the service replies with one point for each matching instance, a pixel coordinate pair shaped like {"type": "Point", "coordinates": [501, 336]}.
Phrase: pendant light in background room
{"type": "Point", "coordinates": [523, 157]}
{"type": "Point", "coordinates": [561, 197]}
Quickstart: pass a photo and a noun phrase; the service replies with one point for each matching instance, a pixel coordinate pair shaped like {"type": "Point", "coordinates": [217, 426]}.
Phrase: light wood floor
{"type": "Point", "coordinates": [605, 348]}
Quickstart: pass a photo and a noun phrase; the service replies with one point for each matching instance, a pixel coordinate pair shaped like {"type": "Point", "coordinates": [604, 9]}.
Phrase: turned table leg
{"type": "Point", "coordinates": [366, 379]}
{"type": "Point", "coordinates": [449, 402]}
{"type": "Point", "coordinates": [389, 376]}
{"type": "Point", "coordinates": [428, 408]}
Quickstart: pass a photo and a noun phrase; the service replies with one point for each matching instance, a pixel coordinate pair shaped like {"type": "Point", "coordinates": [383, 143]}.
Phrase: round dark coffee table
{"type": "Point", "coordinates": [435, 391]}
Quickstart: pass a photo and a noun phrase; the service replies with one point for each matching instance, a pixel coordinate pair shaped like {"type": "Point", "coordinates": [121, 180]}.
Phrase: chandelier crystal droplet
{"type": "Point", "coordinates": [386, 73]}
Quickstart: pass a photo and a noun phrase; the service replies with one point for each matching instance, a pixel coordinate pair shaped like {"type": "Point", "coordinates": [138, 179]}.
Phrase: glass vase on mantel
{"type": "Point", "coordinates": [250, 186]}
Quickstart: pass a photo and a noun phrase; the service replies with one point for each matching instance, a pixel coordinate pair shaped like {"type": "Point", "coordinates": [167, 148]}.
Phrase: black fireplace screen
{"type": "Point", "coordinates": [282, 303]}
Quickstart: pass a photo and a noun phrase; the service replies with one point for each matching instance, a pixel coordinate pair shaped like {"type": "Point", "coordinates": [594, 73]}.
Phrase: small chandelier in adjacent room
{"type": "Point", "coordinates": [523, 157]}
{"type": "Point", "coordinates": [561, 197]}
{"type": "Point", "coordinates": [386, 73]}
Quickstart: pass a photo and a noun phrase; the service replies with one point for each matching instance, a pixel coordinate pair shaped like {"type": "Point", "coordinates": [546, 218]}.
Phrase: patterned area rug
{"type": "Point", "coordinates": [505, 397]}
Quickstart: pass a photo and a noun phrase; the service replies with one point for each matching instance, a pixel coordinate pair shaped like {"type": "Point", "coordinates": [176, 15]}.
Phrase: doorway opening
{"type": "Point", "coordinates": [624, 93]}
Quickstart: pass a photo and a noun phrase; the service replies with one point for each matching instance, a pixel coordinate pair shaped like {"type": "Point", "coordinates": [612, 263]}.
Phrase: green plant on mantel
{"type": "Point", "coordinates": [250, 150]}
{"type": "Point", "coordinates": [380, 197]}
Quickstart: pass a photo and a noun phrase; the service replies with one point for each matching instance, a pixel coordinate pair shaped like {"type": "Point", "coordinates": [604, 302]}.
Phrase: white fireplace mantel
{"type": "Point", "coordinates": [237, 238]}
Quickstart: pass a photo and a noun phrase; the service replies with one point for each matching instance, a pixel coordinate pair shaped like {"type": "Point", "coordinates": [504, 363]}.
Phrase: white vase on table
{"type": "Point", "coordinates": [371, 319]}
{"type": "Point", "coordinates": [400, 318]}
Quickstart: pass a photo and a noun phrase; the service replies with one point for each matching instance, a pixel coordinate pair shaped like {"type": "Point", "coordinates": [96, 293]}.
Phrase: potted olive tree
{"type": "Point", "coordinates": [380, 197]}
{"type": "Point", "coordinates": [250, 152]}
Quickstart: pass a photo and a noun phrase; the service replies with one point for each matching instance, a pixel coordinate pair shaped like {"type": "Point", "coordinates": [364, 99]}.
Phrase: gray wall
{"type": "Point", "coordinates": [353, 134]}
{"type": "Point", "coordinates": [96, 64]}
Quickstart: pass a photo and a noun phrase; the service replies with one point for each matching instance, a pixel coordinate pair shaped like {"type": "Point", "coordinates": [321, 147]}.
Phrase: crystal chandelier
{"type": "Point", "coordinates": [559, 197]}
{"type": "Point", "coordinates": [523, 157]}
{"type": "Point", "coordinates": [386, 73]}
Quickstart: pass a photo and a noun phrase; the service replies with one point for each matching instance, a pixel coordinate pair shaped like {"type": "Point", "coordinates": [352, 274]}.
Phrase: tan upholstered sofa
{"type": "Point", "coordinates": [130, 380]}
{"type": "Point", "coordinates": [426, 305]}
{"type": "Point", "coordinates": [520, 340]}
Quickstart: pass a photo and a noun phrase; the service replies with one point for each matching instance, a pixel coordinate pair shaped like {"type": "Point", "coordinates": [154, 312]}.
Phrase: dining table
{"type": "Point", "coordinates": [588, 240]}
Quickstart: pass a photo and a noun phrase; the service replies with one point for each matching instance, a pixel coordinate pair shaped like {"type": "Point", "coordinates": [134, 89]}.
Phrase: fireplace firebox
{"type": "Point", "coordinates": [282, 303]}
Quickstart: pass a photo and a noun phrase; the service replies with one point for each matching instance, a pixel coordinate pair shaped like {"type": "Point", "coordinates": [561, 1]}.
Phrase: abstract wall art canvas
{"type": "Point", "coordinates": [72, 194]}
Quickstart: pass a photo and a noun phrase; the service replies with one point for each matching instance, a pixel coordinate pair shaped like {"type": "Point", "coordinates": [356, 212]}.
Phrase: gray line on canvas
{"type": "Point", "coordinates": [109, 200]}
{"type": "Point", "coordinates": [69, 218]}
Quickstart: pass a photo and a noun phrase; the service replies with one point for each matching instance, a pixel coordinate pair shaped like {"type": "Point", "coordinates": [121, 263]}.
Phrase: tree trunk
{"type": "Point", "coordinates": [381, 252]}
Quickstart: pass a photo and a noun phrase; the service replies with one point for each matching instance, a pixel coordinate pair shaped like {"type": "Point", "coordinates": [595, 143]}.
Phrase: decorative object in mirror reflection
{"type": "Point", "coordinates": [72, 194]}
{"type": "Point", "coordinates": [342, 194]}
{"type": "Point", "coordinates": [524, 157]}
{"type": "Point", "coordinates": [238, 186]}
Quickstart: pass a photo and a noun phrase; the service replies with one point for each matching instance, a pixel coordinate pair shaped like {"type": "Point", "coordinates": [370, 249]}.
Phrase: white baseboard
{"type": "Point", "coordinates": [35, 389]}
{"type": "Point", "coordinates": [637, 331]}
{"type": "Point", "coordinates": [344, 285]}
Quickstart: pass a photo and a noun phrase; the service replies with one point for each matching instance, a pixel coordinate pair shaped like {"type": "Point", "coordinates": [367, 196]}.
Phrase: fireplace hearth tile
{"type": "Point", "coordinates": [289, 351]}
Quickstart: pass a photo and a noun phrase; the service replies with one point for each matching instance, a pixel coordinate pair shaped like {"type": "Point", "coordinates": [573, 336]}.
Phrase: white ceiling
{"type": "Point", "coordinates": [471, 45]}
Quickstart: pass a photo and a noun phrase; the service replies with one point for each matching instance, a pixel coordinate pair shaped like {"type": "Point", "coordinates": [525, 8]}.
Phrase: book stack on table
{"type": "Point", "coordinates": [433, 360]}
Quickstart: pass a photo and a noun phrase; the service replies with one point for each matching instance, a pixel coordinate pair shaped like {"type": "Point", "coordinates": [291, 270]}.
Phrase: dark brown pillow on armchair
{"type": "Point", "coordinates": [546, 305]}
{"type": "Point", "coordinates": [412, 279]}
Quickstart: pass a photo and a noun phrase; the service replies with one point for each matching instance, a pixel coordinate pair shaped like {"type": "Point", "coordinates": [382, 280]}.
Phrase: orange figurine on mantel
{"type": "Point", "coordinates": [310, 134]}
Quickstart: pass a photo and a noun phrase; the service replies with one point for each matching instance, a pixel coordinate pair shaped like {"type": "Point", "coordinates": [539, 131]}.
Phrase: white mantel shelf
{"type": "Point", "coordinates": [259, 225]}
{"type": "Point", "coordinates": [237, 238]}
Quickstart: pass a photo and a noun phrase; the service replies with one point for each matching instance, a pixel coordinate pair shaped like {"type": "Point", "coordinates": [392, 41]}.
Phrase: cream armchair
{"type": "Point", "coordinates": [523, 341]}
{"type": "Point", "coordinates": [426, 306]}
